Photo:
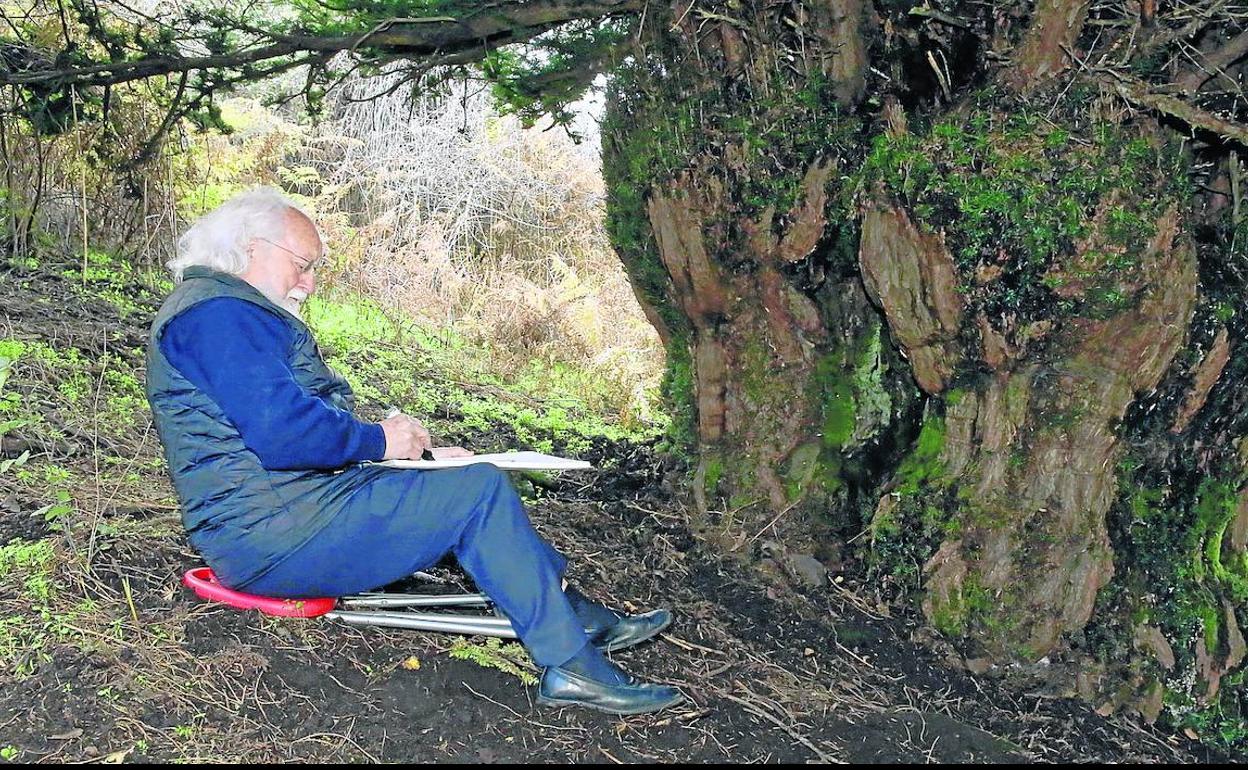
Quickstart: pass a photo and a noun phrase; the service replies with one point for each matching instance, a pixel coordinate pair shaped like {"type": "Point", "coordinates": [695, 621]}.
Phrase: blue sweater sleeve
{"type": "Point", "coordinates": [237, 354]}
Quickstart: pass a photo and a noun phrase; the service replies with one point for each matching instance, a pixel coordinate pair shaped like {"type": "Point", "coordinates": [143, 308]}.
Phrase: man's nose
{"type": "Point", "coordinates": [307, 282]}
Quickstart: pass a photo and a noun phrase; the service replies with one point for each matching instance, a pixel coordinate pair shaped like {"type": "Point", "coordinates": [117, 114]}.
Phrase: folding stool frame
{"type": "Point", "coordinates": [367, 609]}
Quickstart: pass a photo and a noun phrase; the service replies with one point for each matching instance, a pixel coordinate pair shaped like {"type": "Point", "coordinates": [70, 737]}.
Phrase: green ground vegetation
{"type": "Point", "coordinates": [77, 400]}
{"type": "Point", "coordinates": [392, 364]}
{"type": "Point", "coordinates": [35, 611]}
{"type": "Point", "coordinates": [508, 657]}
{"type": "Point", "coordinates": [129, 290]}
{"type": "Point", "coordinates": [54, 393]}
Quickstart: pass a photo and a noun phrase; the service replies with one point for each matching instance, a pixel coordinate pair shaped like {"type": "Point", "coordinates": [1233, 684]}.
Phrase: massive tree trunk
{"type": "Point", "coordinates": [992, 341]}
{"type": "Point", "coordinates": [727, 163]}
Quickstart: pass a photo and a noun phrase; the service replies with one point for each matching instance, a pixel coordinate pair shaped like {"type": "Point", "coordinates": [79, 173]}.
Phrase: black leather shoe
{"type": "Point", "coordinates": [629, 630]}
{"type": "Point", "coordinates": [560, 687]}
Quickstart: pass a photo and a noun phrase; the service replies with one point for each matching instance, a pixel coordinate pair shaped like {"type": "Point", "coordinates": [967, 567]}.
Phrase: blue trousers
{"type": "Point", "coordinates": [405, 520]}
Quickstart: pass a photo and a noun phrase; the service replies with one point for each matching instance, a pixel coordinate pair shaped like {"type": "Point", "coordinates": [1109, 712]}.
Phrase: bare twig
{"type": "Point", "coordinates": [818, 752]}
{"type": "Point", "coordinates": [1213, 64]}
{"type": "Point", "coordinates": [1140, 95]}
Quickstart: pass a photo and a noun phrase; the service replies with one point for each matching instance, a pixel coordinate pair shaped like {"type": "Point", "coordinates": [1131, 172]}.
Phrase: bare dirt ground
{"type": "Point", "coordinates": [123, 664]}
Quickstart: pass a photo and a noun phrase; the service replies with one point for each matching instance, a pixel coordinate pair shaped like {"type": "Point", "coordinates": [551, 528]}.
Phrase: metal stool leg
{"type": "Point", "coordinates": [368, 610]}
{"type": "Point", "coordinates": [378, 601]}
{"type": "Point", "coordinates": [418, 621]}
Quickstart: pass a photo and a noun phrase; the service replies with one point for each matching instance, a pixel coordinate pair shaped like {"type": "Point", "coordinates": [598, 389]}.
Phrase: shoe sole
{"type": "Point", "coordinates": [544, 701]}
{"type": "Point", "coordinates": [635, 642]}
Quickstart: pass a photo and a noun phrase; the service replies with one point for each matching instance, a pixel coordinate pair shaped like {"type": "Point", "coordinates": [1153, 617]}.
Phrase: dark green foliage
{"type": "Point", "coordinates": [346, 17]}
{"type": "Point", "coordinates": [52, 109]}
{"type": "Point", "coordinates": [201, 50]}
{"type": "Point", "coordinates": [544, 77]}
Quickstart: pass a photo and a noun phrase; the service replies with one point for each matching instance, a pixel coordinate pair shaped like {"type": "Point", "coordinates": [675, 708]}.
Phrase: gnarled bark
{"type": "Point", "coordinates": [1047, 44]}
{"type": "Point", "coordinates": [774, 340]}
{"type": "Point", "coordinates": [911, 276]}
{"type": "Point", "coordinates": [1009, 454]}
{"type": "Point", "coordinates": [1203, 380]}
{"type": "Point", "coordinates": [843, 55]}
{"type": "Point", "coordinates": [1035, 453]}
{"type": "Point", "coordinates": [748, 327]}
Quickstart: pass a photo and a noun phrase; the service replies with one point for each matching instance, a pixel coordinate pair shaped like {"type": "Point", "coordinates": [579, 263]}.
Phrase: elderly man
{"type": "Point", "coordinates": [267, 459]}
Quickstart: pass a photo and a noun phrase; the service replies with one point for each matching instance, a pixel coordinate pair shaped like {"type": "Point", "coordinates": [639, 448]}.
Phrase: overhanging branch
{"type": "Point", "coordinates": [464, 38]}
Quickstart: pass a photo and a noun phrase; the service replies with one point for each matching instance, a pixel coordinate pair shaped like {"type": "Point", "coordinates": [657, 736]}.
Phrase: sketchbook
{"type": "Point", "coordinates": [508, 461]}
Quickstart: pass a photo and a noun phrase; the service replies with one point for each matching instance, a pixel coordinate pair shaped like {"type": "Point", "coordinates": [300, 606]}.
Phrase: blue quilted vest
{"type": "Point", "coordinates": [241, 517]}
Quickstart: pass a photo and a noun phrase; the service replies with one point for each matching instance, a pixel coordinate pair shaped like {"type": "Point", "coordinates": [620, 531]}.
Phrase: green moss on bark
{"type": "Point", "coordinates": [713, 472]}
{"type": "Point", "coordinates": [1216, 506]}
{"type": "Point", "coordinates": [1172, 573]}
{"type": "Point", "coordinates": [923, 466]}
{"type": "Point", "coordinates": [954, 614]}
{"type": "Point", "coordinates": [908, 528]}
{"type": "Point", "coordinates": [1014, 194]}
{"type": "Point", "coordinates": [839, 408]}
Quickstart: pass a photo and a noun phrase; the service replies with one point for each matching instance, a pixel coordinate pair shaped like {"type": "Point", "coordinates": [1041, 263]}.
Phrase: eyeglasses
{"type": "Point", "coordinates": [307, 266]}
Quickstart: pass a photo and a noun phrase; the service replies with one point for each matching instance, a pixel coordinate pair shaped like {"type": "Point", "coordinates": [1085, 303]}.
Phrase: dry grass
{"type": "Point", "coordinates": [468, 222]}
{"type": "Point", "coordinates": [73, 191]}
{"type": "Point", "coordinates": [488, 235]}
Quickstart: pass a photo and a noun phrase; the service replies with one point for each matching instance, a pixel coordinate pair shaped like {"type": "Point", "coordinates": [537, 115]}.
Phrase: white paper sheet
{"type": "Point", "coordinates": [508, 461]}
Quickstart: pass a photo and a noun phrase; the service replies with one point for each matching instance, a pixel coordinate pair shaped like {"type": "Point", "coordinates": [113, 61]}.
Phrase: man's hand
{"type": "Point", "coordinates": [406, 438]}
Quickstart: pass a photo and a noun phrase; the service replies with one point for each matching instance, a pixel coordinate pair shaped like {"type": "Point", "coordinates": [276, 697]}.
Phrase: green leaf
{"type": "Point", "coordinates": [14, 462]}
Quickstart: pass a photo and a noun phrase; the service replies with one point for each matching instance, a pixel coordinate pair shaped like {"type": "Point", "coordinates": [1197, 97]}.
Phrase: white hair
{"type": "Point", "coordinates": [220, 238]}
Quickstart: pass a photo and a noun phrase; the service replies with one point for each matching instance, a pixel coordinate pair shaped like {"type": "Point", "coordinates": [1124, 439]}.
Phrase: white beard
{"type": "Point", "coordinates": [293, 302]}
